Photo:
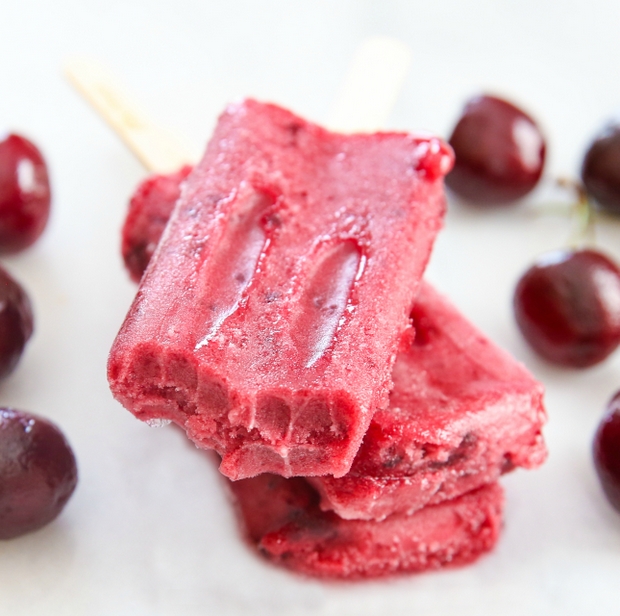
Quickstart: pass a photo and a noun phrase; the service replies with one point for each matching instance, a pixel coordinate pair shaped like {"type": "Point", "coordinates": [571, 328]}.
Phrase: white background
{"type": "Point", "coordinates": [149, 530]}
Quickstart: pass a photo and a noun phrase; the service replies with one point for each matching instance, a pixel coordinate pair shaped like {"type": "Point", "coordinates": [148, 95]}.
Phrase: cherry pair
{"type": "Point", "coordinates": [567, 304]}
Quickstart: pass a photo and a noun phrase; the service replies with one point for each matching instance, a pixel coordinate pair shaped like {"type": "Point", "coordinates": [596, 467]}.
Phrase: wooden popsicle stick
{"type": "Point", "coordinates": [154, 147]}
{"type": "Point", "coordinates": [363, 104]}
{"type": "Point", "coordinates": [371, 86]}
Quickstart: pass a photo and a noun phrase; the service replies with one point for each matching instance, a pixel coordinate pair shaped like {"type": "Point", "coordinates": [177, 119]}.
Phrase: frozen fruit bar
{"type": "Point", "coordinates": [462, 412]}
{"type": "Point", "coordinates": [149, 210]}
{"type": "Point", "coordinates": [282, 519]}
{"type": "Point", "coordinates": [376, 486]}
{"type": "Point", "coordinates": [268, 320]}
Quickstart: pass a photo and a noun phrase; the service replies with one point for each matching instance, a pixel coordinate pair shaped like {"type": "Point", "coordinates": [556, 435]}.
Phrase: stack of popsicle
{"type": "Point", "coordinates": [282, 321]}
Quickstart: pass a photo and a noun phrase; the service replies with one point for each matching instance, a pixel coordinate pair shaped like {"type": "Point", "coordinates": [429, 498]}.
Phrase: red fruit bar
{"type": "Point", "coordinates": [462, 412]}
{"type": "Point", "coordinates": [268, 320]}
{"type": "Point", "coordinates": [376, 486]}
{"type": "Point", "coordinates": [282, 519]}
{"type": "Point", "coordinates": [149, 210]}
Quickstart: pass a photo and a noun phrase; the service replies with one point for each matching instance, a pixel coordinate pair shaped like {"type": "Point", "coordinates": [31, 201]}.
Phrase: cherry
{"type": "Point", "coordinates": [149, 210]}
{"type": "Point", "coordinates": [567, 306]}
{"type": "Point", "coordinates": [38, 472]}
{"type": "Point", "coordinates": [499, 152]}
{"type": "Point", "coordinates": [606, 451]}
{"type": "Point", "coordinates": [600, 171]}
{"type": "Point", "coordinates": [16, 322]}
{"type": "Point", "coordinates": [24, 193]}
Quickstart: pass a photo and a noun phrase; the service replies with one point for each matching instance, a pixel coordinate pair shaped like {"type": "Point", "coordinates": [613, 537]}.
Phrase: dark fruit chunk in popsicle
{"type": "Point", "coordinates": [149, 210]}
{"type": "Point", "coordinates": [38, 472]}
{"type": "Point", "coordinates": [16, 322]}
{"type": "Point", "coordinates": [607, 452]}
{"type": "Point", "coordinates": [567, 306]}
{"type": "Point", "coordinates": [601, 169]}
{"type": "Point", "coordinates": [24, 193]}
{"type": "Point", "coordinates": [499, 152]}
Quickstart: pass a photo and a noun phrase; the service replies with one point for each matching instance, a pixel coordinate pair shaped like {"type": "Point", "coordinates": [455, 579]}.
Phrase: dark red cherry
{"type": "Point", "coordinates": [606, 452]}
{"type": "Point", "coordinates": [499, 152]}
{"type": "Point", "coordinates": [24, 193]}
{"type": "Point", "coordinates": [16, 322]}
{"type": "Point", "coordinates": [38, 472]}
{"type": "Point", "coordinates": [567, 306]}
{"type": "Point", "coordinates": [600, 171]}
{"type": "Point", "coordinates": [149, 210]}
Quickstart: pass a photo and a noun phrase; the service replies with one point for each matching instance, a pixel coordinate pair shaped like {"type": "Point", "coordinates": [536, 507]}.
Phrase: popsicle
{"type": "Point", "coordinates": [268, 320]}
{"type": "Point", "coordinates": [281, 518]}
{"type": "Point", "coordinates": [462, 412]}
{"type": "Point", "coordinates": [149, 210]}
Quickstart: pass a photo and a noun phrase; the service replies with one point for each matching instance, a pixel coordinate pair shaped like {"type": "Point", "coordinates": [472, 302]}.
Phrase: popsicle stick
{"type": "Point", "coordinates": [371, 86]}
{"type": "Point", "coordinates": [363, 104]}
{"type": "Point", "coordinates": [154, 147]}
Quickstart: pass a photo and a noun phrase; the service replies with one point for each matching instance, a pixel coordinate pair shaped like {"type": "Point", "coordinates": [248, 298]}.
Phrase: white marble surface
{"type": "Point", "coordinates": [149, 531]}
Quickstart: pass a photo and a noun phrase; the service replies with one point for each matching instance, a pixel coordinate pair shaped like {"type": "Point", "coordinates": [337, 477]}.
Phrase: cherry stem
{"type": "Point", "coordinates": [584, 231]}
